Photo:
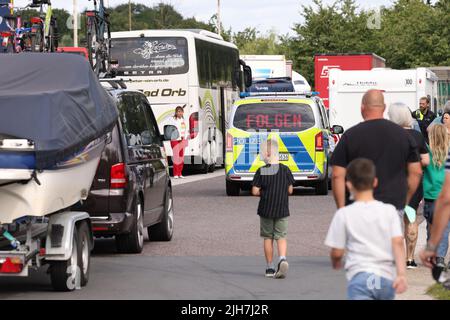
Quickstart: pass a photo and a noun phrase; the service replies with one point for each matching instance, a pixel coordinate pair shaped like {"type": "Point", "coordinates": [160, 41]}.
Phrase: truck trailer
{"type": "Point", "coordinates": [407, 86]}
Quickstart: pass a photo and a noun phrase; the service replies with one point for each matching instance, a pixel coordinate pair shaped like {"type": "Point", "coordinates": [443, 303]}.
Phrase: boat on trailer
{"type": "Point", "coordinates": [55, 119]}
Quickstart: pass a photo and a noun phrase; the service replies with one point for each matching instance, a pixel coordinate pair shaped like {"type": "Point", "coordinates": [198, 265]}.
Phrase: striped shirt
{"type": "Point", "coordinates": [274, 181]}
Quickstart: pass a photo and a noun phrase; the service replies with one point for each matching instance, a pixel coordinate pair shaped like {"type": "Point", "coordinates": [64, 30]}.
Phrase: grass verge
{"type": "Point", "coordinates": [437, 291]}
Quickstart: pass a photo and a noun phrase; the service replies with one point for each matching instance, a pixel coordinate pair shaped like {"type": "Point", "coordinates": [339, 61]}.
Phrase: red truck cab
{"type": "Point", "coordinates": [351, 61]}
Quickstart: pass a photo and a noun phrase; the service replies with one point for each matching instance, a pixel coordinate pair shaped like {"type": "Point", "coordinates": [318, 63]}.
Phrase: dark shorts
{"type": "Point", "coordinates": [275, 229]}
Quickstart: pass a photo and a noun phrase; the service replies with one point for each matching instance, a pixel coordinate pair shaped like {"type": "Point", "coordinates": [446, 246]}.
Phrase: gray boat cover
{"type": "Point", "coordinates": [55, 100]}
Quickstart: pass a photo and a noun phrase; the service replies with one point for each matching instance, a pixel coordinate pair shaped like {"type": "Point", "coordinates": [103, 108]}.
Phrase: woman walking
{"type": "Point", "coordinates": [180, 143]}
{"type": "Point", "coordinates": [433, 180]}
{"type": "Point", "coordinates": [401, 115]}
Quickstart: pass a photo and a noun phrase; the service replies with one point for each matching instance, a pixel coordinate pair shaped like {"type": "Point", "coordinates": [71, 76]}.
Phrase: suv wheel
{"type": "Point", "coordinates": [133, 242]}
{"type": "Point", "coordinates": [163, 231]}
{"type": "Point", "coordinates": [322, 187]}
{"type": "Point", "coordinates": [233, 189]}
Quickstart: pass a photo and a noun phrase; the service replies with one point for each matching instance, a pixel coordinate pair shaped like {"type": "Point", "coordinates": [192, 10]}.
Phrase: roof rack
{"type": "Point", "coordinates": [115, 83]}
{"type": "Point", "coordinates": [279, 94]}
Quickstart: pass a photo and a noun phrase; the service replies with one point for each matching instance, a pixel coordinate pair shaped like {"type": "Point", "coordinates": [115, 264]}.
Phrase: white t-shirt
{"type": "Point", "coordinates": [365, 230]}
{"type": "Point", "coordinates": [181, 125]}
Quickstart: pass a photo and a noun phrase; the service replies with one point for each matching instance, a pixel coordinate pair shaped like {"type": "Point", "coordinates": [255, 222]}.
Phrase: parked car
{"type": "Point", "coordinates": [132, 188]}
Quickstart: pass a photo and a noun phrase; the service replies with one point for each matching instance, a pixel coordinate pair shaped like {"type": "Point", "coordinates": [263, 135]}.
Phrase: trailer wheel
{"type": "Point", "coordinates": [85, 253]}
{"type": "Point", "coordinates": [65, 275]}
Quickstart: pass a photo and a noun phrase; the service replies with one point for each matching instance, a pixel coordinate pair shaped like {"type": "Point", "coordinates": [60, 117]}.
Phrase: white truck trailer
{"type": "Point", "coordinates": [348, 87]}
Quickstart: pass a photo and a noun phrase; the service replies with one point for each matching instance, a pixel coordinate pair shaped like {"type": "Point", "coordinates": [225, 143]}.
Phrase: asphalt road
{"type": "Point", "coordinates": [216, 253]}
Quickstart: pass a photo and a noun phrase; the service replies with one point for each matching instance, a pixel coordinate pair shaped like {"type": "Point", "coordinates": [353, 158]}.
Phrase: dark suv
{"type": "Point", "coordinates": [132, 189]}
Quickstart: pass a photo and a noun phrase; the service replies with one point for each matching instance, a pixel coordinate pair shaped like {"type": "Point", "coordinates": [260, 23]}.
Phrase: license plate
{"type": "Point", "coordinates": [284, 156]}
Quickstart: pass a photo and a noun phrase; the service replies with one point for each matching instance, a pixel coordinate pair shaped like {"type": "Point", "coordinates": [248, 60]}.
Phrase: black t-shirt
{"type": "Point", "coordinates": [390, 147]}
{"type": "Point", "coordinates": [274, 181]}
{"type": "Point", "coordinates": [422, 148]}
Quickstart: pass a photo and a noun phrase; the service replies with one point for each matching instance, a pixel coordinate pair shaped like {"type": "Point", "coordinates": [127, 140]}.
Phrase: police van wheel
{"type": "Point", "coordinates": [322, 187]}
{"type": "Point", "coordinates": [233, 189]}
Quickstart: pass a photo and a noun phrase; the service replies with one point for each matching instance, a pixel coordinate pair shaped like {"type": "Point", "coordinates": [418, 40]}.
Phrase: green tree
{"type": "Point", "coordinates": [335, 28]}
{"type": "Point", "coordinates": [412, 35]}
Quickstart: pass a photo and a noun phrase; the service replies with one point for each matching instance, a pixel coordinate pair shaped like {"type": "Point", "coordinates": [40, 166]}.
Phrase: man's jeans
{"type": "Point", "coordinates": [428, 213]}
{"type": "Point", "coordinates": [368, 286]}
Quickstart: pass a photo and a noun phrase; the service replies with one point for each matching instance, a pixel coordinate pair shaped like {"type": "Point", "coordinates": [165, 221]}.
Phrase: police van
{"type": "Point", "coordinates": [298, 122]}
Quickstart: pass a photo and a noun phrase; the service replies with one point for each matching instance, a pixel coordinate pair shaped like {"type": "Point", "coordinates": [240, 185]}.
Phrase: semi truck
{"type": "Point", "coordinates": [323, 63]}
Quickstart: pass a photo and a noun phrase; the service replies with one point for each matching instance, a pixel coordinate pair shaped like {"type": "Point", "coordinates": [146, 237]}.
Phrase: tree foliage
{"type": "Point", "coordinates": [411, 33]}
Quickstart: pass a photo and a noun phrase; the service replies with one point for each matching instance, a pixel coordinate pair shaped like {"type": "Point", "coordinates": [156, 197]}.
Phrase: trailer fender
{"type": "Point", "coordinates": [58, 246]}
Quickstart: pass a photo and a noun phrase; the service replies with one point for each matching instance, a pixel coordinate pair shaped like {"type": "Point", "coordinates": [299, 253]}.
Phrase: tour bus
{"type": "Point", "coordinates": [194, 69]}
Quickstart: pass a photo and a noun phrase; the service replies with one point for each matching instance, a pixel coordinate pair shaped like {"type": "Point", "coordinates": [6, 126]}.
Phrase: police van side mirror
{"type": "Point", "coordinates": [337, 129]}
{"type": "Point", "coordinates": [171, 133]}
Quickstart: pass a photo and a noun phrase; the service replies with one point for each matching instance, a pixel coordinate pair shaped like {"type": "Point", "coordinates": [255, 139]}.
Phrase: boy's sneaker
{"type": "Point", "coordinates": [270, 272]}
{"type": "Point", "coordinates": [175, 177]}
{"type": "Point", "coordinates": [282, 270]}
{"type": "Point", "coordinates": [440, 262]}
{"type": "Point", "coordinates": [411, 264]}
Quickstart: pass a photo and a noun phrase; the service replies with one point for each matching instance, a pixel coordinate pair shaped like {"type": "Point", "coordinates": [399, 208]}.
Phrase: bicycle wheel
{"type": "Point", "coordinates": [53, 37]}
{"type": "Point", "coordinates": [106, 48]}
{"type": "Point", "coordinates": [92, 44]}
{"type": "Point", "coordinates": [37, 41]}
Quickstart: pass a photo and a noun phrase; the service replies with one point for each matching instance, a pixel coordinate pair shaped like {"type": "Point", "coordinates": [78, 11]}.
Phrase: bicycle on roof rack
{"type": "Point", "coordinates": [7, 36]}
{"type": "Point", "coordinates": [98, 35]}
{"type": "Point", "coordinates": [44, 34]}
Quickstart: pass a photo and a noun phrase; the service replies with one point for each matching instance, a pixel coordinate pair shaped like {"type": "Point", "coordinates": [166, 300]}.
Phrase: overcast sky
{"type": "Point", "coordinates": [237, 14]}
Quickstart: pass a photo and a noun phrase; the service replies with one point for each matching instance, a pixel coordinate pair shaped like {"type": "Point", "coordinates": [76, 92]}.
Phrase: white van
{"type": "Point", "coordinates": [300, 83]}
{"type": "Point", "coordinates": [348, 87]}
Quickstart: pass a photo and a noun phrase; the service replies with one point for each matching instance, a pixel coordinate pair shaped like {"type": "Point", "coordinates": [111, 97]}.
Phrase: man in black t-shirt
{"type": "Point", "coordinates": [388, 145]}
{"type": "Point", "coordinates": [273, 183]}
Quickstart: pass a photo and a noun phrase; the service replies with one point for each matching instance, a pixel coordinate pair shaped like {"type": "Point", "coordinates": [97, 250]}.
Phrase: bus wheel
{"type": "Point", "coordinates": [204, 167]}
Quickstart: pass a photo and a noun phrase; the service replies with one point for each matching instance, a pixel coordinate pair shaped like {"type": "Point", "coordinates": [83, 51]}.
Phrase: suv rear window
{"type": "Point", "coordinates": [282, 117]}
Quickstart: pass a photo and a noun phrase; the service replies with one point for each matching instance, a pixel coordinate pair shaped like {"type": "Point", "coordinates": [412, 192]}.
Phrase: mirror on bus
{"type": "Point", "coordinates": [336, 129]}
{"type": "Point", "coordinates": [171, 132]}
{"type": "Point", "coordinates": [247, 76]}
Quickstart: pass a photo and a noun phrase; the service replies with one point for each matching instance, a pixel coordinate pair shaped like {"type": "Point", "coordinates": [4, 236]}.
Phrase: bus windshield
{"type": "Point", "coordinates": [282, 117]}
{"type": "Point", "coordinates": [150, 56]}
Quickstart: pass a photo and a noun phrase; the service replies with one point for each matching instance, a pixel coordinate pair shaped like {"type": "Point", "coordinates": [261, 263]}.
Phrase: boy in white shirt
{"type": "Point", "coordinates": [369, 233]}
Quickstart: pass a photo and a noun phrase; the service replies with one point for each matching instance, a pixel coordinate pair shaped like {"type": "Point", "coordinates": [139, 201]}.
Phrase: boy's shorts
{"type": "Point", "coordinates": [271, 228]}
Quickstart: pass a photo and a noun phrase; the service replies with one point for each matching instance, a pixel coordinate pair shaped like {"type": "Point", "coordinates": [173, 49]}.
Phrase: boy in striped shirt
{"type": "Point", "coordinates": [273, 183]}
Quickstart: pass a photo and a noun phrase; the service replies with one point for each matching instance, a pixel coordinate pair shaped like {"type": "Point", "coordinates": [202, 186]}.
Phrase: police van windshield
{"type": "Point", "coordinates": [282, 117]}
{"type": "Point", "coordinates": [150, 56]}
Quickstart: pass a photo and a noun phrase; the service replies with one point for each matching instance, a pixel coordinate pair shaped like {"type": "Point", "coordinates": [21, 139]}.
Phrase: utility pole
{"type": "Point", "coordinates": [129, 14]}
{"type": "Point", "coordinates": [219, 23]}
{"type": "Point", "coordinates": [75, 23]}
